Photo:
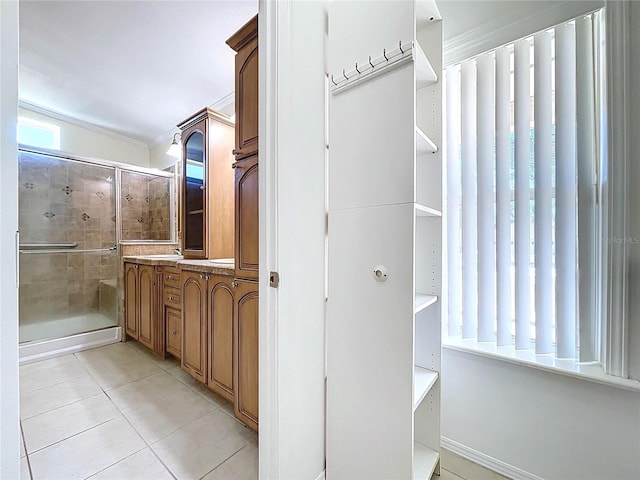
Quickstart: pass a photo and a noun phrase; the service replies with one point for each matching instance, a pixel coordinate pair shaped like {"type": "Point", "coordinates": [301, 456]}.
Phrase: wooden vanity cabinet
{"type": "Point", "coordinates": [221, 307]}
{"type": "Point", "coordinates": [246, 328]}
{"type": "Point", "coordinates": [207, 206]}
{"type": "Point", "coordinates": [171, 305]}
{"type": "Point", "coordinates": [173, 322]}
{"type": "Point", "coordinates": [208, 316]}
{"type": "Point", "coordinates": [194, 324]}
{"type": "Point", "coordinates": [140, 308]}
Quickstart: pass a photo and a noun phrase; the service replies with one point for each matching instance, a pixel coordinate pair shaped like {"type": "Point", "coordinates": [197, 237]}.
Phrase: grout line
{"type": "Point", "coordinates": [58, 383]}
{"type": "Point", "coordinates": [71, 436]}
{"type": "Point", "coordinates": [223, 461]}
{"type": "Point", "coordinates": [148, 445]}
{"type": "Point", "coordinates": [62, 406]}
{"type": "Point", "coordinates": [26, 453]}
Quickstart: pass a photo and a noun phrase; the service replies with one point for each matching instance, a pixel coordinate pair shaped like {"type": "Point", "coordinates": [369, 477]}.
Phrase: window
{"type": "Point", "coordinates": [523, 126]}
{"type": "Point", "coordinates": [38, 134]}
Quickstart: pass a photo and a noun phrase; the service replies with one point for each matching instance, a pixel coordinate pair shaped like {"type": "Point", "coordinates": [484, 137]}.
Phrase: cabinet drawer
{"type": "Point", "coordinates": [173, 298]}
{"type": "Point", "coordinates": [172, 278]}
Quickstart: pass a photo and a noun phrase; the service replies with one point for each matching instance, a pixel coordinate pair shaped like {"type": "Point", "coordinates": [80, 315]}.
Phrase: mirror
{"type": "Point", "coordinates": [194, 194]}
{"type": "Point", "coordinates": [146, 207]}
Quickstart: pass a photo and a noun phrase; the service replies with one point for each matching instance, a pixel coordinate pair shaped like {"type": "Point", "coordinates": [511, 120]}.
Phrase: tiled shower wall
{"type": "Point", "coordinates": [63, 201]}
{"type": "Point", "coordinates": [145, 207]}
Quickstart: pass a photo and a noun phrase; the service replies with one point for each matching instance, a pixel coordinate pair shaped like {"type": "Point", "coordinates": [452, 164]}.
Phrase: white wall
{"type": "Point", "coordinates": [9, 400]}
{"type": "Point", "coordinates": [158, 157]}
{"type": "Point", "coordinates": [548, 425]}
{"type": "Point", "coordinates": [94, 142]}
{"type": "Point", "coordinates": [292, 230]}
{"type": "Point", "coordinates": [533, 423]}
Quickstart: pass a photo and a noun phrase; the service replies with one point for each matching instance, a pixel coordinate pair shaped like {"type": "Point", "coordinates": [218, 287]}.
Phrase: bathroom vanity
{"type": "Point", "coordinates": [203, 308]}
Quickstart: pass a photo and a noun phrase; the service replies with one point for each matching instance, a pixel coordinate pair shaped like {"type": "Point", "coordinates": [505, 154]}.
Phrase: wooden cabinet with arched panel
{"type": "Point", "coordinates": [207, 206]}
{"type": "Point", "coordinates": [194, 324]}
{"type": "Point", "coordinates": [221, 311]}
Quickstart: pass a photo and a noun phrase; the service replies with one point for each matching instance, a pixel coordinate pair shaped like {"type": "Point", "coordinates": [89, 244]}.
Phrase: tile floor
{"type": "Point", "coordinates": [119, 412]}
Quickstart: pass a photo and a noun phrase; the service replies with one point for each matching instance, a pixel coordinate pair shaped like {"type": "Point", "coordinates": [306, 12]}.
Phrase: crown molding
{"type": "Point", "coordinates": [512, 26]}
{"type": "Point", "coordinates": [228, 99]}
{"type": "Point", "coordinates": [79, 123]}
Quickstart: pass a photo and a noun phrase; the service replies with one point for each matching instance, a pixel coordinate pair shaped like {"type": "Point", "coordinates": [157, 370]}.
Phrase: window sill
{"type": "Point", "coordinates": [592, 372]}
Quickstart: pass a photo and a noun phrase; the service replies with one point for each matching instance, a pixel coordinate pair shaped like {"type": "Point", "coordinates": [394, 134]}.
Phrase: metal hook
{"type": "Point", "coordinates": [384, 54]}
{"type": "Point", "coordinates": [400, 46]}
{"type": "Point", "coordinates": [332, 80]}
{"type": "Point", "coordinates": [344, 75]}
{"type": "Point", "coordinates": [357, 68]}
{"type": "Point", "coordinates": [370, 62]}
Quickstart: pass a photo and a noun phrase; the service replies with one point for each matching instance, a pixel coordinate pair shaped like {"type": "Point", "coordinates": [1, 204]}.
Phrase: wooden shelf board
{"type": "Point", "coordinates": [422, 301]}
{"type": "Point", "coordinates": [424, 211]}
{"type": "Point", "coordinates": [425, 461]}
{"type": "Point", "coordinates": [425, 74]}
{"type": "Point", "coordinates": [424, 144]}
{"type": "Point", "coordinates": [423, 380]}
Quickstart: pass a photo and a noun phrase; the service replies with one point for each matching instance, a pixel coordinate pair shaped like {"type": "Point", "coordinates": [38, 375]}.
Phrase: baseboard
{"type": "Point", "coordinates": [36, 351]}
{"type": "Point", "coordinates": [487, 462]}
{"type": "Point", "coordinates": [322, 475]}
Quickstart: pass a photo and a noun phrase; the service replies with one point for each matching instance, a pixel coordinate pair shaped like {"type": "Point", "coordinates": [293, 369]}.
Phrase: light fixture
{"type": "Point", "coordinates": [174, 148]}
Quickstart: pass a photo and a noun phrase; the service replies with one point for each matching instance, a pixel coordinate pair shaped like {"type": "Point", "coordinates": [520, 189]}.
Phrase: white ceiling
{"type": "Point", "coordinates": [133, 67]}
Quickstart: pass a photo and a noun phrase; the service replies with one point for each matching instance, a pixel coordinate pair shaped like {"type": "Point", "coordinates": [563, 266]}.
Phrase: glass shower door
{"type": "Point", "coordinates": [68, 260]}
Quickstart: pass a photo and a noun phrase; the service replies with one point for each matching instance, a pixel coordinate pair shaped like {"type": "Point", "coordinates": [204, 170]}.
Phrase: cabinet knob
{"type": "Point", "coordinates": [202, 187]}
{"type": "Point", "coordinates": [173, 333]}
{"type": "Point", "coordinates": [202, 277]}
{"type": "Point", "coordinates": [207, 277]}
{"type": "Point", "coordinates": [234, 284]}
{"type": "Point", "coordinates": [234, 165]}
{"type": "Point", "coordinates": [234, 152]}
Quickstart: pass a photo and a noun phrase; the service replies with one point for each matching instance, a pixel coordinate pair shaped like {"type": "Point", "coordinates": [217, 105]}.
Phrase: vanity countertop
{"type": "Point", "coordinates": [177, 261]}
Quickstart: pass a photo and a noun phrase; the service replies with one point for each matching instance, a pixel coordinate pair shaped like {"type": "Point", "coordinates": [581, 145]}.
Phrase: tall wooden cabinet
{"type": "Point", "coordinates": [245, 43]}
{"type": "Point", "coordinates": [207, 206]}
{"type": "Point", "coordinates": [245, 318]}
{"type": "Point", "coordinates": [385, 240]}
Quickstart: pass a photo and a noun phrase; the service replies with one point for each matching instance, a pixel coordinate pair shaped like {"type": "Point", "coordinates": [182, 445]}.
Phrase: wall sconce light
{"type": "Point", "coordinates": [174, 148]}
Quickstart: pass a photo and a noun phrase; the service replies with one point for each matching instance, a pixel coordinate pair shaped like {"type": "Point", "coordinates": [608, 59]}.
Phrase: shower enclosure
{"type": "Point", "coordinates": [72, 214]}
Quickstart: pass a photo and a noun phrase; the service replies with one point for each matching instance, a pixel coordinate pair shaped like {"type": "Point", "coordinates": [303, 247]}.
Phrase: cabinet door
{"type": "Point", "coordinates": [247, 245]}
{"type": "Point", "coordinates": [247, 99]}
{"type": "Point", "coordinates": [221, 307]}
{"type": "Point", "coordinates": [194, 324]}
{"type": "Point", "coordinates": [246, 353]}
{"type": "Point", "coordinates": [146, 304]}
{"type": "Point", "coordinates": [173, 319]}
{"type": "Point", "coordinates": [194, 191]}
{"type": "Point", "coordinates": [131, 299]}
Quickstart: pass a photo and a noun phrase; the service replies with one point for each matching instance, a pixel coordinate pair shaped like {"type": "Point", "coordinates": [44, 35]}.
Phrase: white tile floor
{"type": "Point", "coordinates": [119, 412]}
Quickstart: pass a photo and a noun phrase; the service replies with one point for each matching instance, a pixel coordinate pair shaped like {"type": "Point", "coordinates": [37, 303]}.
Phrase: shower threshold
{"type": "Point", "coordinates": [41, 350]}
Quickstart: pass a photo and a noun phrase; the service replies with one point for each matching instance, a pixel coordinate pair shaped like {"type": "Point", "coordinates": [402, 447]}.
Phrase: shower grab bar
{"type": "Point", "coordinates": [44, 246]}
{"type": "Point", "coordinates": [84, 250]}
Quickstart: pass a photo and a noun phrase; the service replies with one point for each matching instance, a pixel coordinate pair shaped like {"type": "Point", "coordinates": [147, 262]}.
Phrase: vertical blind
{"type": "Point", "coordinates": [521, 199]}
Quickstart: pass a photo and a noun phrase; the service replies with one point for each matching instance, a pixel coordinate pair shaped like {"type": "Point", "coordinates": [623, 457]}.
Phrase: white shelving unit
{"type": "Point", "coordinates": [385, 213]}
